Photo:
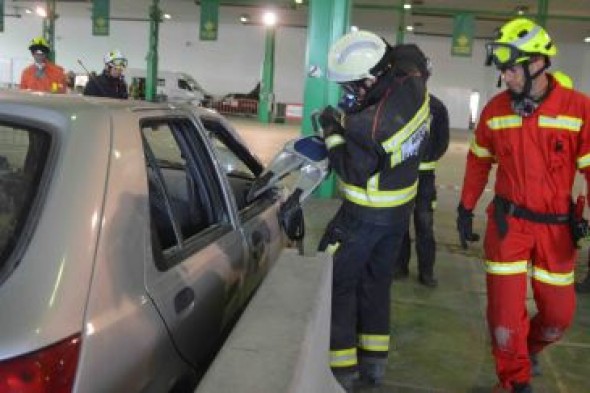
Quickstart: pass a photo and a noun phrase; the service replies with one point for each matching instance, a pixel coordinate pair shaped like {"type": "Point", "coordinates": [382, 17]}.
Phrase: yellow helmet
{"type": "Point", "coordinates": [39, 44]}
{"type": "Point", "coordinates": [517, 41]}
{"type": "Point", "coordinates": [563, 79]}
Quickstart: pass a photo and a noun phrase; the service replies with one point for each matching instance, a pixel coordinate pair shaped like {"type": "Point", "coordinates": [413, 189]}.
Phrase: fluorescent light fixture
{"type": "Point", "coordinates": [41, 11]}
{"type": "Point", "coordinates": [587, 39]}
{"type": "Point", "coordinates": [28, 11]}
{"type": "Point", "coordinates": [299, 1]}
{"type": "Point", "coordinates": [244, 18]}
{"type": "Point", "coordinates": [410, 28]}
{"type": "Point", "coordinates": [407, 6]}
{"type": "Point", "coordinates": [167, 16]}
{"type": "Point", "coordinates": [269, 18]}
{"type": "Point", "coordinates": [354, 28]}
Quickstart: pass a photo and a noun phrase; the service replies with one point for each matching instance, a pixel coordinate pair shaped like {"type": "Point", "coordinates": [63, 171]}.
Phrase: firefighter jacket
{"type": "Point", "coordinates": [437, 142]}
{"type": "Point", "coordinates": [51, 78]}
{"type": "Point", "coordinates": [377, 156]}
{"type": "Point", "coordinates": [536, 156]}
{"type": "Point", "coordinates": [105, 85]}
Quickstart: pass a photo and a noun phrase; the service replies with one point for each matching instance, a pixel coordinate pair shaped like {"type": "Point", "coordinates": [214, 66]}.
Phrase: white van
{"type": "Point", "coordinates": [172, 86]}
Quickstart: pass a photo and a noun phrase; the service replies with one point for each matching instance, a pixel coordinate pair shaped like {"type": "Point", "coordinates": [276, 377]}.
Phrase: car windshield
{"type": "Point", "coordinates": [23, 156]}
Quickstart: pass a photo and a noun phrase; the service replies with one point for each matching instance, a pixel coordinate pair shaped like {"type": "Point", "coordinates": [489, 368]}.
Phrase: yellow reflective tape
{"type": "Point", "coordinates": [584, 161]}
{"type": "Point", "coordinates": [376, 198]}
{"type": "Point", "coordinates": [332, 248]}
{"type": "Point", "coordinates": [392, 144]}
{"type": "Point", "coordinates": [479, 151]}
{"type": "Point", "coordinates": [506, 268]}
{"type": "Point", "coordinates": [557, 279]}
{"type": "Point", "coordinates": [504, 122]}
{"type": "Point", "coordinates": [561, 122]}
{"type": "Point", "coordinates": [375, 343]}
{"type": "Point", "coordinates": [427, 166]}
{"type": "Point", "coordinates": [334, 140]}
{"type": "Point", "coordinates": [433, 205]}
{"type": "Point", "coordinates": [343, 358]}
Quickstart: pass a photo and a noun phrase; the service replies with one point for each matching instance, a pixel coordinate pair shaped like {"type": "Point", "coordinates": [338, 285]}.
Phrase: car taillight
{"type": "Point", "coordinates": [49, 370]}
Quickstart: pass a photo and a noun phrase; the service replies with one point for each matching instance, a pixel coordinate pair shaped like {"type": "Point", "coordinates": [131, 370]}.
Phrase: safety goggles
{"type": "Point", "coordinates": [504, 56]}
{"type": "Point", "coordinates": [118, 63]}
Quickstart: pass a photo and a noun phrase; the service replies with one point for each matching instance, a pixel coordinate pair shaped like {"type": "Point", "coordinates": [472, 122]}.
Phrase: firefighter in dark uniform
{"type": "Point", "coordinates": [437, 145]}
{"type": "Point", "coordinates": [375, 151]}
{"type": "Point", "coordinates": [111, 83]}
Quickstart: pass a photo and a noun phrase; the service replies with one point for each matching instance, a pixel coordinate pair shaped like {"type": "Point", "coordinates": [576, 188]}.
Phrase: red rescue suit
{"type": "Point", "coordinates": [537, 158]}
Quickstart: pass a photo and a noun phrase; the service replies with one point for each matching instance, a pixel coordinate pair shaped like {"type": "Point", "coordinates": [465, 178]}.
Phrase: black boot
{"type": "Point", "coordinates": [428, 280]}
{"type": "Point", "coordinates": [584, 285]}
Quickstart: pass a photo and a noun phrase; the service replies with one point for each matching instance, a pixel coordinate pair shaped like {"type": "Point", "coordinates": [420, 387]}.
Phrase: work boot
{"type": "Point", "coordinates": [347, 380]}
{"type": "Point", "coordinates": [372, 371]}
{"type": "Point", "coordinates": [428, 281]}
{"type": "Point", "coordinates": [535, 365]}
{"type": "Point", "coordinates": [584, 285]}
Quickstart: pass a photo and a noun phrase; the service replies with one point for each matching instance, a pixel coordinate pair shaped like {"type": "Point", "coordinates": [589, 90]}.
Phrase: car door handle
{"type": "Point", "coordinates": [184, 299]}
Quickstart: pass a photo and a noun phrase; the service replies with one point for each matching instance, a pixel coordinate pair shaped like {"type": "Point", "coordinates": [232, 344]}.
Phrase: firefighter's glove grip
{"type": "Point", "coordinates": [330, 121]}
{"type": "Point", "coordinates": [465, 226]}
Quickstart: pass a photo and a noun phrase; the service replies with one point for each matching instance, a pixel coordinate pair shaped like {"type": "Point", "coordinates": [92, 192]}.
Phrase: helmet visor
{"type": "Point", "coordinates": [504, 56]}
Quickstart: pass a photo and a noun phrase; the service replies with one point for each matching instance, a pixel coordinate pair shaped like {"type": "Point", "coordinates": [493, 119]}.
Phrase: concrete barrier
{"type": "Point", "coordinates": [281, 342]}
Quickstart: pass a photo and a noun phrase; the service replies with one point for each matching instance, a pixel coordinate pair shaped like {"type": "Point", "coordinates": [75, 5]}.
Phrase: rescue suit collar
{"type": "Point", "coordinates": [523, 103]}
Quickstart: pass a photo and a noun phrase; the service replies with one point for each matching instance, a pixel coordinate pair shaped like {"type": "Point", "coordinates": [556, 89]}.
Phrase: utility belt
{"type": "Point", "coordinates": [503, 207]}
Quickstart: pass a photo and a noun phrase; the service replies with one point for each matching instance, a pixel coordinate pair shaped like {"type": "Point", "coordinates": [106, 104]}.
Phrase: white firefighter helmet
{"type": "Point", "coordinates": [354, 55]}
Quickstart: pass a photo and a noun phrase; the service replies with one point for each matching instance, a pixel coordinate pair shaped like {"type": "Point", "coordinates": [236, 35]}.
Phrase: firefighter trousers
{"type": "Point", "coordinates": [550, 251]}
{"type": "Point", "coordinates": [362, 275]}
{"type": "Point", "coordinates": [424, 228]}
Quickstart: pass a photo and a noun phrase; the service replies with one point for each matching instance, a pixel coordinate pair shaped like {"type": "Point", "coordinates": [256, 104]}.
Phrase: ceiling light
{"type": "Point", "coordinates": [28, 11]}
{"type": "Point", "coordinates": [41, 11]}
{"type": "Point", "coordinates": [167, 16]}
{"type": "Point", "coordinates": [299, 1]}
{"type": "Point", "coordinates": [244, 18]}
{"type": "Point", "coordinates": [269, 18]}
{"type": "Point", "coordinates": [410, 28]}
{"type": "Point", "coordinates": [587, 39]}
{"type": "Point", "coordinates": [354, 28]}
{"type": "Point", "coordinates": [407, 6]}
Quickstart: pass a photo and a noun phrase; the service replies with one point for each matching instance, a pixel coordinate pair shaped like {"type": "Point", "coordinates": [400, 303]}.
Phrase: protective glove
{"type": "Point", "coordinates": [330, 121]}
{"type": "Point", "coordinates": [465, 226]}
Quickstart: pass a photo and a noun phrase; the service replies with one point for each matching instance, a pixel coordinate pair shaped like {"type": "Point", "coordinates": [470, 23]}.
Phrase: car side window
{"type": "Point", "coordinates": [23, 158]}
{"type": "Point", "coordinates": [184, 197]}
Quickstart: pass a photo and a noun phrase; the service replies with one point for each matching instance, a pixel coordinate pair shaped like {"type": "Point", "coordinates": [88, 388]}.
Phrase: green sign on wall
{"type": "Point", "coordinates": [463, 29]}
{"type": "Point", "coordinates": [1, 16]}
{"type": "Point", "coordinates": [100, 17]}
{"type": "Point", "coordinates": [209, 20]}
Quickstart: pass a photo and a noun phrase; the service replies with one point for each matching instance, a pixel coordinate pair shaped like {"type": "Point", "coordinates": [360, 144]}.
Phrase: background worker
{"type": "Point", "coordinates": [111, 83]}
{"type": "Point", "coordinates": [42, 75]}
{"type": "Point", "coordinates": [538, 134]}
{"type": "Point", "coordinates": [436, 146]}
{"type": "Point", "coordinates": [375, 153]}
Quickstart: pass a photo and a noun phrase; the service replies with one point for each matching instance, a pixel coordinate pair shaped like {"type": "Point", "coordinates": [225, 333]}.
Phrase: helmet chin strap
{"type": "Point", "coordinates": [523, 103]}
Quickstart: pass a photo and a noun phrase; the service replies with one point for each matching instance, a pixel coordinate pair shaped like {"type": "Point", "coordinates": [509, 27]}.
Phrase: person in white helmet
{"type": "Point", "coordinates": [111, 83]}
{"type": "Point", "coordinates": [375, 149]}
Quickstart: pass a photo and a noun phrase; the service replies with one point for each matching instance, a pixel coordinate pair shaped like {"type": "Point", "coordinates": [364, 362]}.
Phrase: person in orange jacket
{"type": "Point", "coordinates": [42, 75]}
{"type": "Point", "coordinates": [537, 132]}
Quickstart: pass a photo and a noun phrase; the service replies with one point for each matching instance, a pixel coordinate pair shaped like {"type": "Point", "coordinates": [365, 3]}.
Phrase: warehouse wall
{"type": "Point", "coordinates": [233, 62]}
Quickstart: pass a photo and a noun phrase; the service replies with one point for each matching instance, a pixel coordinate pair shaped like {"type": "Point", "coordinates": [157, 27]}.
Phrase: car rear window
{"type": "Point", "coordinates": [23, 155]}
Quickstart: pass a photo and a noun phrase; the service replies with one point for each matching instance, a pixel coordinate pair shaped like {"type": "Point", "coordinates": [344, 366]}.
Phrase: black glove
{"type": "Point", "coordinates": [330, 121]}
{"type": "Point", "coordinates": [465, 226]}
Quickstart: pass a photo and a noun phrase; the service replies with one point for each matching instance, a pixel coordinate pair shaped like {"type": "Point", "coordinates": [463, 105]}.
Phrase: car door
{"type": "Point", "coordinates": [258, 218]}
{"type": "Point", "coordinates": [194, 273]}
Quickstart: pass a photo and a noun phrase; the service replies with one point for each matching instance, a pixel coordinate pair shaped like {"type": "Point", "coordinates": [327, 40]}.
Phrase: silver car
{"type": "Point", "coordinates": [128, 245]}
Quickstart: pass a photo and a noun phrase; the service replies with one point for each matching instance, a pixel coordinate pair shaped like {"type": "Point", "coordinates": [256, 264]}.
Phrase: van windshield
{"type": "Point", "coordinates": [23, 156]}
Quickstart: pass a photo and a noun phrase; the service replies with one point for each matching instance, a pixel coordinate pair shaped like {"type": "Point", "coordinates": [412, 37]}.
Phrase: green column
{"type": "Point", "coordinates": [49, 27]}
{"type": "Point", "coordinates": [327, 21]}
{"type": "Point", "coordinates": [268, 75]}
{"type": "Point", "coordinates": [401, 29]}
{"type": "Point", "coordinates": [151, 81]}
{"type": "Point", "coordinates": [543, 12]}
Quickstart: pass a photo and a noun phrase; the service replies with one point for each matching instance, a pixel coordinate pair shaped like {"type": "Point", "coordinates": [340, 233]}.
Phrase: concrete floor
{"type": "Point", "coordinates": [439, 336]}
